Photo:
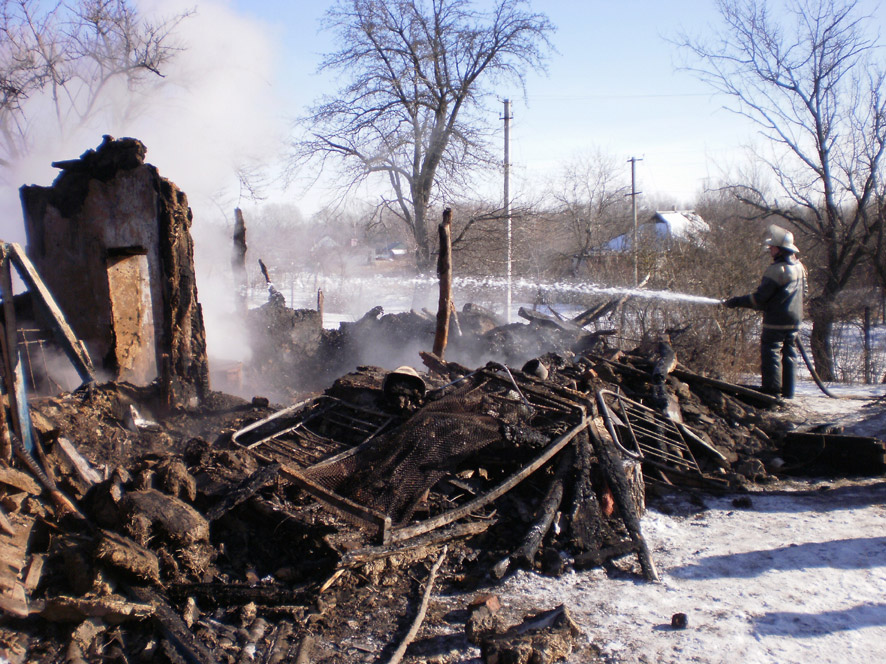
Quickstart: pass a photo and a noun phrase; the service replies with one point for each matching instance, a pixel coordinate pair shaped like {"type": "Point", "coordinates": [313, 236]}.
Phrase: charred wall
{"type": "Point", "coordinates": [112, 240]}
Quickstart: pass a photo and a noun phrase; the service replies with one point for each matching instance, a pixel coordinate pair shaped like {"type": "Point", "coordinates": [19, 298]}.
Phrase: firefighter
{"type": "Point", "coordinates": [780, 297]}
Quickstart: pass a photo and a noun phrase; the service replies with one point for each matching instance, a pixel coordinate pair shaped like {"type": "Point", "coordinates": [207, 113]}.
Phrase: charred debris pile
{"type": "Point", "coordinates": [150, 519]}
{"type": "Point", "coordinates": [236, 532]}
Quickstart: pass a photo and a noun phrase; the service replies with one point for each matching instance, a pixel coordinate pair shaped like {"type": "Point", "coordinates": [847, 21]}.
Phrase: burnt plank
{"type": "Point", "coordinates": [174, 628]}
{"type": "Point", "coordinates": [74, 349]}
{"type": "Point", "coordinates": [837, 453]}
{"type": "Point", "coordinates": [243, 491]}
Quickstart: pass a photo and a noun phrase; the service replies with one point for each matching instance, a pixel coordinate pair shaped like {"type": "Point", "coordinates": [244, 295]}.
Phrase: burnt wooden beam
{"type": "Point", "coordinates": [442, 367]}
{"type": "Point", "coordinates": [218, 594]}
{"type": "Point", "coordinates": [550, 321]}
{"type": "Point", "coordinates": [618, 484]}
{"type": "Point", "coordinates": [590, 315]}
{"type": "Point", "coordinates": [72, 346]}
{"type": "Point", "coordinates": [112, 608]}
{"type": "Point", "coordinates": [174, 629]}
{"type": "Point", "coordinates": [585, 516]}
{"type": "Point", "coordinates": [458, 531]}
{"type": "Point", "coordinates": [544, 518]}
{"type": "Point", "coordinates": [243, 491]}
{"type": "Point", "coordinates": [754, 397]}
{"type": "Point", "coordinates": [444, 272]}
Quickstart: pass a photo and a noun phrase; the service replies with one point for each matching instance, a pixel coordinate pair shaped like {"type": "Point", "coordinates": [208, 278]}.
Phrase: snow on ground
{"type": "Point", "coordinates": [860, 409]}
{"type": "Point", "coordinates": [799, 576]}
{"type": "Point", "coordinates": [790, 579]}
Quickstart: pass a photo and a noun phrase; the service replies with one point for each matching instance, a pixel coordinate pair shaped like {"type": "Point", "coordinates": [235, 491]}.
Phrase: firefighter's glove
{"type": "Point", "coordinates": [731, 303]}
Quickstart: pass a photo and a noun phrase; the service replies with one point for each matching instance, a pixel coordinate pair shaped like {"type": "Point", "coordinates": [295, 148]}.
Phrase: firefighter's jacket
{"type": "Point", "coordinates": [780, 294]}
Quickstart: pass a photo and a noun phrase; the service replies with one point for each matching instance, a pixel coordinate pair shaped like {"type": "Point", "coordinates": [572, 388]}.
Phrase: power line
{"type": "Point", "coordinates": [622, 96]}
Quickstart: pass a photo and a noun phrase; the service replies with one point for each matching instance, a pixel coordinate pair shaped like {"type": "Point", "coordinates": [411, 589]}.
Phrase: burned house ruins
{"type": "Point", "coordinates": [236, 531]}
{"type": "Point", "coordinates": [111, 238]}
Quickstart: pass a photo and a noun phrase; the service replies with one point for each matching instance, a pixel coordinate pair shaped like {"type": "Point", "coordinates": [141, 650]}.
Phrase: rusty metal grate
{"type": "Point", "coordinates": [312, 431]}
{"type": "Point", "coordinates": [647, 435]}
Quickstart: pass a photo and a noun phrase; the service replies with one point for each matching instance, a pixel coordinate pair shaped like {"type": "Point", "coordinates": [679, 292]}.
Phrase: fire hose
{"type": "Point", "coordinates": [812, 371]}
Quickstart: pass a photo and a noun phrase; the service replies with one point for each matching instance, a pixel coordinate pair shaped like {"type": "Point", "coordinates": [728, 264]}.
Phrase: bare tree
{"type": "Point", "coordinates": [807, 76]}
{"type": "Point", "coordinates": [416, 73]}
{"type": "Point", "coordinates": [591, 204]}
{"type": "Point", "coordinates": [70, 54]}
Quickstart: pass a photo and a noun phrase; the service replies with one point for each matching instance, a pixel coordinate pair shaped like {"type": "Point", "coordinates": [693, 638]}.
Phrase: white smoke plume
{"type": "Point", "coordinates": [213, 115]}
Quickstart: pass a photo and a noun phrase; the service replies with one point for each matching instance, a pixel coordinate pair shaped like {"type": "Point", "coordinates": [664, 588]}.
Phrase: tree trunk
{"type": "Point", "coordinates": [423, 261]}
{"type": "Point", "coordinates": [820, 340]}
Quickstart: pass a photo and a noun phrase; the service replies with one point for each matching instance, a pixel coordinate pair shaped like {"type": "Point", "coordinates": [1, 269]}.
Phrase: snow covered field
{"type": "Point", "coordinates": [799, 576]}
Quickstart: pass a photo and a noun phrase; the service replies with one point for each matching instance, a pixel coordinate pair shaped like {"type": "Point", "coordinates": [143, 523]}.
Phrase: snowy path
{"type": "Point", "coordinates": [791, 579]}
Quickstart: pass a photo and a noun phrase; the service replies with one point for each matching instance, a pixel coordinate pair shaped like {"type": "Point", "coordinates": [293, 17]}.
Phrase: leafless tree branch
{"type": "Point", "coordinates": [416, 74]}
{"type": "Point", "coordinates": [807, 73]}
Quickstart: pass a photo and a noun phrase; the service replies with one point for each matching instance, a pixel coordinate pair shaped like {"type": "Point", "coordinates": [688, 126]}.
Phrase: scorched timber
{"type": "Point", "coordinates": [555, 446]}
{"type": "Point", "coordinates": [545, 515]}
{"type": "Point", "coordinates": [618, 483]}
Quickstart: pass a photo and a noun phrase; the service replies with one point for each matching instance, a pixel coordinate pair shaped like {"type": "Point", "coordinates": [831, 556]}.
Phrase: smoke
{"type": "Point", "coordinates": [218, 113]}
{"type": "Point", "coordinates": [213, 112]}
{"type": "Point", "coordinates": [213, 116]}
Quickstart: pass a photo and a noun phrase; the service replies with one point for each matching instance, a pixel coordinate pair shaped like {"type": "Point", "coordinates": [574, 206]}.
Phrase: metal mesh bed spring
{"type": "Point", "coordinates": [312, 431]}
{"type": "Point", "coordinates": [391, 473]}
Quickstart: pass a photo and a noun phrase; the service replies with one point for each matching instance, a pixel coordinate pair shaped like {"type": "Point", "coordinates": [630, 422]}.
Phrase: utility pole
{"type": "Point", "coordinates": [507, 202]}
{"type": "Point", "coordinates": [634, 193]}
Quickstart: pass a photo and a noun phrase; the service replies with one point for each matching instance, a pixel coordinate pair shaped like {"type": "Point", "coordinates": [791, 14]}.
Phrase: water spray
{"type": "Point", "coordinates": [486, 283]}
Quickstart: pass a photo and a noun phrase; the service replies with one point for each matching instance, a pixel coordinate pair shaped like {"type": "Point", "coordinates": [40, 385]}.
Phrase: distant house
{"type": "Point", "coordinates": [391, 252]}
{"type": "Point", "coordinates": [663, 231]}
{"type": "Point", "coordinates": [325, 243]}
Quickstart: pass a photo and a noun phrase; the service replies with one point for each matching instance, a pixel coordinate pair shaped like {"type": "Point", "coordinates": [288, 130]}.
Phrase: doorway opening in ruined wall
{"type": "Point", "coordinates": [132, 314]}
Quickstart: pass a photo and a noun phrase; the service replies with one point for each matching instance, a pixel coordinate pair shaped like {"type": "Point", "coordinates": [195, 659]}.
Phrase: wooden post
{"type": "Point", "coordinates": [43, 299]}
{"type": "Point", "coordinates": [238, 263]}
{"type": "Point", "coordinates": [868, 375]}
{"type": "Point", "coordinates": [320, 303]}
{"type": "Point", "coordinates": [444, 271]}
{"type": "Point", "coordinates": [9, 342]}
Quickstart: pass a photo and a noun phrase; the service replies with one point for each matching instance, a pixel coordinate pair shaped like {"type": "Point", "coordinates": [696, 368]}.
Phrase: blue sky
{"type": "Point", "coordinates": [248, 67]}
{"type": "Point", "coordinates": [611, 85]}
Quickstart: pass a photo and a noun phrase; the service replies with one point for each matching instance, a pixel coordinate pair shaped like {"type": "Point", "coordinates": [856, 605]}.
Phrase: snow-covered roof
{"type": "Point", "coordinates": [663, 227]}
{"type": "Point", "coordinates": [325, 242]}
{"type": "Point", "coordinates": [680, 224]}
